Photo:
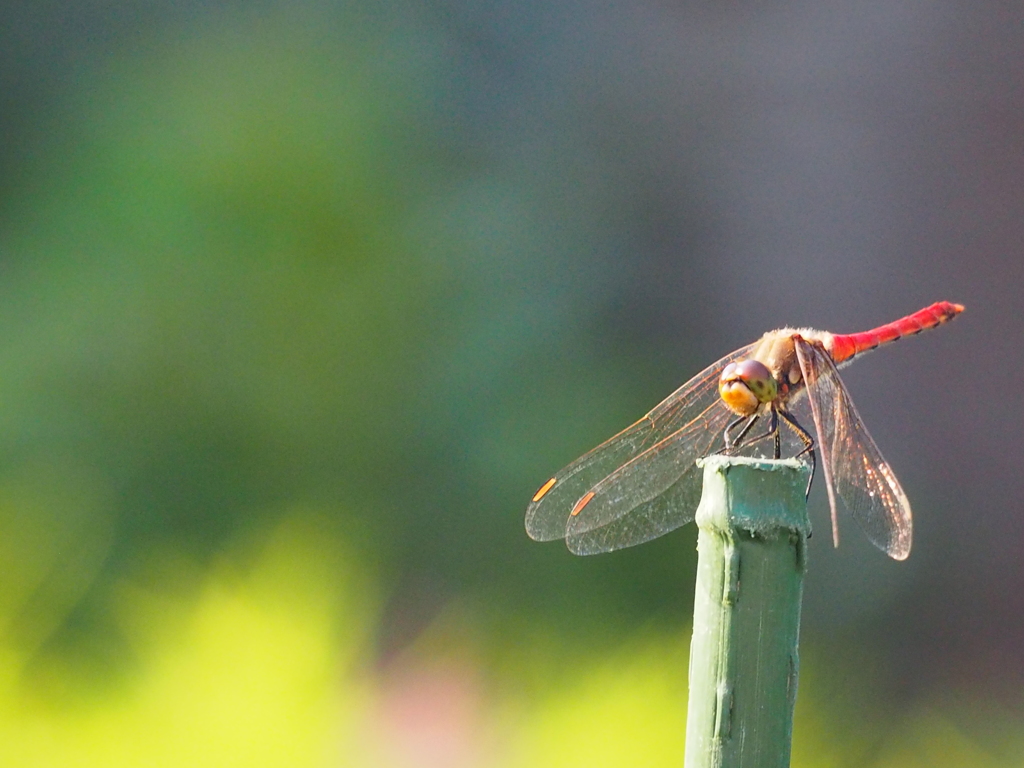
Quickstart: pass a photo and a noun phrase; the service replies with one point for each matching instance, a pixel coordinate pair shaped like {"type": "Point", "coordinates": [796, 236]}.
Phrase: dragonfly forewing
{"type": "Point", "coordinates": [854, 468]}
{"type": "Point", "coordinates": [655, 493]}
{"type": "Point", "coordinates": [549, 514]}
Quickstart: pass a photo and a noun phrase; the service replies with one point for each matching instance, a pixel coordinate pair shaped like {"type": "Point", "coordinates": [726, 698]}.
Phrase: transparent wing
{"type": "Point", "coordinates": [854, 467]}
{"type": "Point", "coordinates": [650, 495]}
{"type": "Point", "coordinates": [628, 473]}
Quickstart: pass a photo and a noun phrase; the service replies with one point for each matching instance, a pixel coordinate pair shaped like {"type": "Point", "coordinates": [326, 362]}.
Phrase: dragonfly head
{"type": "Point", "coordinates": [745, 386]}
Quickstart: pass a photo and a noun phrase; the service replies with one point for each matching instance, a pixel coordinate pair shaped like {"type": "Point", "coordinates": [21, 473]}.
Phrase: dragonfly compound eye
{"type": "Point", "coordinates": [744, 386]}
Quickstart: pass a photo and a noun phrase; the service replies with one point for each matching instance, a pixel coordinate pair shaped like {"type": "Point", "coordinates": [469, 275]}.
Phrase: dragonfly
{"type": "Point", "coordinates": [644, 481]}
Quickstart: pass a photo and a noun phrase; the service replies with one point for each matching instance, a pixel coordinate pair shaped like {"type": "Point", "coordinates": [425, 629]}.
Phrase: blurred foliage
{"type": "Point", "coordinates": [243, 672]}
{"type": "Point", "coordinates": [269, 323]}
{"type": "Point", "coordinates": [257, 266]}
{"type": "Point", "coordinates": [213, 304]}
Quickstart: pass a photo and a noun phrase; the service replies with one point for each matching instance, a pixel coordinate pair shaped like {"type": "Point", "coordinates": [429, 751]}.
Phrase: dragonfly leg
{"type": "Point", "coordinates": [733, 443]}
{"type": "Point", "coordinates": [773, 429]}
{"type": "Point", "coordinates": [807, 440]}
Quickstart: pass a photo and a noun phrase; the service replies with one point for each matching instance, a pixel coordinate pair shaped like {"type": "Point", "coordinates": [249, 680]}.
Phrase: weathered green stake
{"type": "Point", "coordinates": [746, 614]}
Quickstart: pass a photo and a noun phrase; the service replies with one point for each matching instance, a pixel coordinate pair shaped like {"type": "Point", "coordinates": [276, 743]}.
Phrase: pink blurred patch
{"type": "Point", "coordinates": [429, 716]}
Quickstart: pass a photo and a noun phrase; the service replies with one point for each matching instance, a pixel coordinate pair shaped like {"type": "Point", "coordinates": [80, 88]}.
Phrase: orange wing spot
{"type": "Point", "coordinates": [582, 503]}
{"type": "Point", "coordinates": [543, 490]}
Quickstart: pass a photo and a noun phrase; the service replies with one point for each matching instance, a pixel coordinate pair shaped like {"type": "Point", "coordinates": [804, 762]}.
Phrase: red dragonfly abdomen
{"type": "Point", "coordinates": [845, 346]}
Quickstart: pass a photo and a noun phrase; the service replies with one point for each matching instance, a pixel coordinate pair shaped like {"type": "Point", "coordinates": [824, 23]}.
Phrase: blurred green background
{"type": "Point", "coordinates": [301, 302]}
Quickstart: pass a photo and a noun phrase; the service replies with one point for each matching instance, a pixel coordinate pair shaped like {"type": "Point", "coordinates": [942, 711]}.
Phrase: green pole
{"type": "Point", "coordinates": [746, 614]}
